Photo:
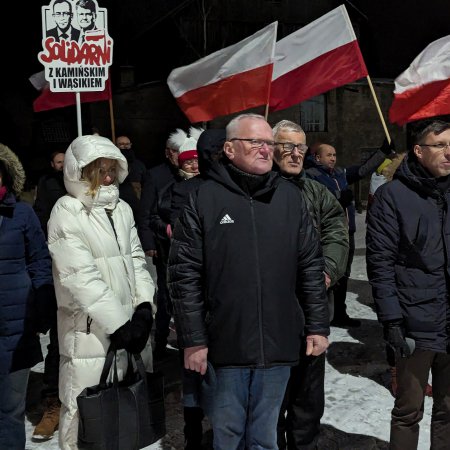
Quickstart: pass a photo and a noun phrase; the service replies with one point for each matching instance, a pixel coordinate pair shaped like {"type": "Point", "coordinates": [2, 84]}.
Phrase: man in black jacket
{"type": "Point", "coordinates": [408, 254]}
{"type": "Point", "coordinates": [303, 406]}
{"type": "Point", "coordinates": [241, 298]}
{"type": "Point", "coordinates": [50, 188]}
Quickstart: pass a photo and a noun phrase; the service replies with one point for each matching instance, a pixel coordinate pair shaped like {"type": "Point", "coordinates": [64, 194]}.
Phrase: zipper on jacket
{"type": "Point", "coordinates": [260, 326]}
{"type": "Point", "coordinates": [88, 325]}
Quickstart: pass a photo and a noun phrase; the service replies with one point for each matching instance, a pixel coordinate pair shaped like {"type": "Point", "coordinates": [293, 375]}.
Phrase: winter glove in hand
{"type": "Point", "coordinates": [345, 198]}
{"type": "Point", "coordinates": [45, 308]}
{"type": "Point", "coordinates": [395, 338]}
{"type": "Point", "coordinates": [388, 149]}
{"type": "Point", "coordinates": [142, 322]}
{"type": "Point", "coordinates": [122, 337]}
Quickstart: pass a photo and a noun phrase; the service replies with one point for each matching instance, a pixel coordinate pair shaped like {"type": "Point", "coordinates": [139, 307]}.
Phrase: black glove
{"type": "Point", "coordinates": [345, 198]}
{"type": "Point", "coordinates": [395, 338]}
{"type": "Point", "coordinates": [122, 337]}
{"type": "Point", "coordinates": [388, 149]}
{"type": "Point", "coordinates": [142, 322]}
{"type": "Point", "coordinates": [45, 308]}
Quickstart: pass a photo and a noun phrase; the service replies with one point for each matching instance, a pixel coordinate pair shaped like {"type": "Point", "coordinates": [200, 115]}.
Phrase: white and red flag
{"type": "Point", "coordinates": [51, 100]}
{"type": "Point", "coordinates": [232, 79]}
{"type": "Point", "coordinates": [423, 90]}
{"type": "Point", "coordinates": [322, 55]}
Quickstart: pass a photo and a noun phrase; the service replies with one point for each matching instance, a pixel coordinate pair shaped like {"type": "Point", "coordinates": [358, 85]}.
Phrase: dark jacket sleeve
{"type": "Point", "coordinates": [148, 200]}
{"type": "Point", "coordinates": [310, 278]}
{"type": "Point", "coordinates": [332, 226]}
{"type": "Point", "coordinates": [382, 241]}
{"type": "Point", "coordinates": [356, 173]}
{"type": "Point", "coordinates": [185, 277]}
{"type": "Point", "coordinates": [39, 267]}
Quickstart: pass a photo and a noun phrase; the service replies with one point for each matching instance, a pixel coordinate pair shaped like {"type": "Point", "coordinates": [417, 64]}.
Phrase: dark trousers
{"type": "Point", "coordinates": [51, 366]}
{"type": "Point", "coordinates": [340, 288]}
{"type": "Point", "coordinates": [163, 303]}
{"type": "Point", "coordinates": [412, 378]}
{"type": "Point", "coordinates": [303, 403]}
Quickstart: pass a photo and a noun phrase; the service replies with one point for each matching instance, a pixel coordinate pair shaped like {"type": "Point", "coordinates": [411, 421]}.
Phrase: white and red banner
{"type": "Point", "coordinates": [322, 55]}
{"type": "Point", "coordinates": [233, 79]}
{"type": "Point", "coordinates": [423, 90]}
{"type": "Point", "coordinates": [51, 100]}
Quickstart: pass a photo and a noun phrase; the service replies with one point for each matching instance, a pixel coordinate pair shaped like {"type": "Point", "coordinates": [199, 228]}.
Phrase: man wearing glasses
{"type": "Point", "coordinates": [62, 15]}
{"type": "Point", "coordinates": [305, 395]}
{"type": "Point", "coordinates": [245, 275]}
{"type": "Point", "coordinates": [408, 254]}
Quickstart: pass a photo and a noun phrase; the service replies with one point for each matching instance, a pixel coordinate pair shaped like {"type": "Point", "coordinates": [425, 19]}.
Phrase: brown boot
{"type": "Point", "coordinates": [393, 370]}
{"type": "Point", "coordinates": [50, 420]}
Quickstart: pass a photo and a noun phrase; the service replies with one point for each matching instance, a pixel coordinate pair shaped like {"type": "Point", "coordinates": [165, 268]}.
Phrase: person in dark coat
{"type": "Point", "coordinates": [408, 266]}
{"type": "Point", "coordinates": [131, 188]}
{"type": "Point", "coordinates": [27, 299]}
{"type": "Point", "coordinates": [50, 188]}
{"type": "Point", "coordinates": [157, 181]}
{"type": "Point", "coordinates": [304, 402]}
{"type": "Point", "coordinates": [242, 299]}
{"type": "Point", "coordinates": [322, 168]}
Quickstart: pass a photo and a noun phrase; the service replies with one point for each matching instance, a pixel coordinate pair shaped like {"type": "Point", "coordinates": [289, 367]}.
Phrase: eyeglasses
{"type": "Point", "coordinates": [61, 14]}
{"type": "Point", "coordinates": [85, 14]}
{"type": "Point", "coordinates": [289, 147]}
{"type": "Point", "coordinates": [441, 146]}
{"type": "Point", "coordinates": [256, 144]}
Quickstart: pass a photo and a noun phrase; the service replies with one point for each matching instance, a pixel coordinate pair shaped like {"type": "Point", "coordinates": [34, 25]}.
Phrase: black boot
{"type": "Point", "coordinates": [193, 430]}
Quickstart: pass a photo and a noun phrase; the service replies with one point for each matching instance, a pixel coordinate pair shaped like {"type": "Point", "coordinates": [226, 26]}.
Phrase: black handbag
{"type": "Point", "coordinates": [125, 415]}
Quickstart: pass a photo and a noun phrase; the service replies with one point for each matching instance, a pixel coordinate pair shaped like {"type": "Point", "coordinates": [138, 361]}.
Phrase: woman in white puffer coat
{"type": "Point", "coordinates": [103, 288]}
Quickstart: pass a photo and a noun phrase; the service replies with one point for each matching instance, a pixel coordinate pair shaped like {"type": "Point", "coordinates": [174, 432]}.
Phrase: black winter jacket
{"type": "Point", "coordinates": [408, 260]}
{"type": "Point", "coordinates": [246, 273]}
{"type": "Point", "coordinates": [157, 180]}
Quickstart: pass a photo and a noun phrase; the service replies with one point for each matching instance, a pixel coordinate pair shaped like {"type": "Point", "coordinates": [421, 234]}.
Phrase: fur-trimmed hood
{"type": "Point", "coordinates": [14, 169]}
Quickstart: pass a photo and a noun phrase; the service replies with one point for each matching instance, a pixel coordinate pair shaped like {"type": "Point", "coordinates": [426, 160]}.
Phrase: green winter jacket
{"type": "Point", "coordinates": [331, 223]}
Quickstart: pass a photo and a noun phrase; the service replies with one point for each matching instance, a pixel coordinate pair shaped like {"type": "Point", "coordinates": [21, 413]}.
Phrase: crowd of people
{"type": "Point", "coordinates": [252, 235]}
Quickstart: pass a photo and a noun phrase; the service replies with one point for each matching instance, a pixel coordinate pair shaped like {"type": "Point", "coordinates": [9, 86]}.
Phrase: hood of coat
{"type": "Point", "coordinates": [14, 179]}
{"type": "Point", "coordinates": [411, 173]}
{"type": "Point", "coordinates": [82, 151]}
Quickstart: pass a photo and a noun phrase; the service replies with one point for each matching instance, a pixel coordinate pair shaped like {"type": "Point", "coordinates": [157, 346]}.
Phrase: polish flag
{"type": "Point", "coordinates": [233, 79]}
{"type": "Point", "coordinates": [322, 55]}
{"type": "Point", "coordinates": [51, 100]}
{"type": "Point", "coordinates": [423, 90]}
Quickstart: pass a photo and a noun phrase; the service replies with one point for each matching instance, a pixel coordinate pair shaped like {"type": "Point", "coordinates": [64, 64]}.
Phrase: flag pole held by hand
{"type": "Point", "coordinates": [372, 90]}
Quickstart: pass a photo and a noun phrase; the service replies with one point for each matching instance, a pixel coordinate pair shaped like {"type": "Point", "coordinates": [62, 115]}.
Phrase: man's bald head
{"type": "Point", "coordinates": [326, 155]}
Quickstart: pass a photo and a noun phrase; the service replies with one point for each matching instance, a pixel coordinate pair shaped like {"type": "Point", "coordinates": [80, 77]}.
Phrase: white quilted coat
{"type": "Point", "coordinates": [99, 272]}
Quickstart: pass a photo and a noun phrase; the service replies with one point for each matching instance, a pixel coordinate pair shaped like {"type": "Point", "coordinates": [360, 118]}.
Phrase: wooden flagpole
{"type": "Point", "coordinates": [386, 132]}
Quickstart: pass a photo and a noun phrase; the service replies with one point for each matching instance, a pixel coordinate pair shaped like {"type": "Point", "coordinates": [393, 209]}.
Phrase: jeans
{"type": "Point", "coordinates": [13, 392]}
{"type": "Point", "coordinates": [246, 407]}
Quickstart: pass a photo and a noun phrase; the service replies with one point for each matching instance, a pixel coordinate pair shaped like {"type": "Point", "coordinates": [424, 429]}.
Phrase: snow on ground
{"type": "Point", "coordinates": [357, 398]}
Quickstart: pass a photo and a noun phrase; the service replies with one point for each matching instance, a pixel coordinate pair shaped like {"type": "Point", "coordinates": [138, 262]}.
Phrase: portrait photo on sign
{"type": "Point", "coordinates": [73, 20]}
